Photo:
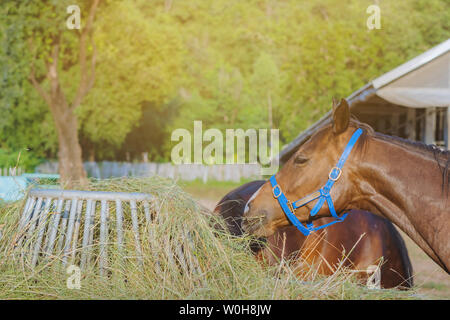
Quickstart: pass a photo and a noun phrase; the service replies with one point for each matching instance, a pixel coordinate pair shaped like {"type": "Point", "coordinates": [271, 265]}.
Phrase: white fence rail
{"type": "Point", "coordinates": [188, 172]}
{"type": "Point", "coordinates": [11, 171]}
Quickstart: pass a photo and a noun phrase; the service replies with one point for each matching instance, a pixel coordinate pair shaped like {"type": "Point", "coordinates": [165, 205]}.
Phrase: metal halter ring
{"type": "Point", "coordinates": [339, 175]}
{"type": "Point", "coordinates": [273, 191]}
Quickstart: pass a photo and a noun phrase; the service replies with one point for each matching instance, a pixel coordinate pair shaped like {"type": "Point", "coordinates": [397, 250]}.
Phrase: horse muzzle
{"type": "Point", "coordinates": [255, 221]}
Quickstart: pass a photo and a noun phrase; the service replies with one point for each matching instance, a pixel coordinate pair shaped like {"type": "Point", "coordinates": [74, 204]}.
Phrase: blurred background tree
{"type": "Point", "coordinates": [58, 63]}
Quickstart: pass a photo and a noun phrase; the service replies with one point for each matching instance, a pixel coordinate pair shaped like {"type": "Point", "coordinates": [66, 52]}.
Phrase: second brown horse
{"type": "Point", "coordinates": [326, 248]}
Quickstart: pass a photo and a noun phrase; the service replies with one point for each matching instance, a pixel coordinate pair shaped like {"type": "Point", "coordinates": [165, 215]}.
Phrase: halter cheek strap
{"type": "Point", "coordinates": [323, 194]}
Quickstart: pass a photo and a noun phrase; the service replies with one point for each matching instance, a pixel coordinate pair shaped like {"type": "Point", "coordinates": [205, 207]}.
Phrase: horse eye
{"type": "Point", "coordinates": [300, 159]}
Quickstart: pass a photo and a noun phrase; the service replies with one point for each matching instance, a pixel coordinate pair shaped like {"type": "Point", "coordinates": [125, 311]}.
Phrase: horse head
{"type": "Point", "coordinates": [306, 172]}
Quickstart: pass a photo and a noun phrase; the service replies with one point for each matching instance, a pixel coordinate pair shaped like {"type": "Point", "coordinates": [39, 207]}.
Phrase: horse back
{"type": "Point", "coordinates": [362, 239]}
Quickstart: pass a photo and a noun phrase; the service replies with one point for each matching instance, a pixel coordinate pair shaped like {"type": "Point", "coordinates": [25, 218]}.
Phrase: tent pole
{"type": "Point", "coordinates": [430, 125]}
{"type": "Point", "coordinates": [447, 130]}
{"type": "Point", "coordinates": [411, 124]}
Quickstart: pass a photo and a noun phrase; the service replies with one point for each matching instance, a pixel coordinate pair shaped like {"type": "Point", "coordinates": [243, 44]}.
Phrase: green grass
{"type": "Point", "coordinates": [434, 285]}
{"type": "Point", "coordinates": [212, 264]}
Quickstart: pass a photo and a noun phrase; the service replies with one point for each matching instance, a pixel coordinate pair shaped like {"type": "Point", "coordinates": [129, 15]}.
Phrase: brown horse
{"type": "Point", "coordinates": [325, 248]}
{"type": "Point", "coordinates": [403, 181]}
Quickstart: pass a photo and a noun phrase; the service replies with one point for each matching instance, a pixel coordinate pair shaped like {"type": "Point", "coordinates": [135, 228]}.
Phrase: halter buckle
{"type": "Point", "coordinates": [338, 176]}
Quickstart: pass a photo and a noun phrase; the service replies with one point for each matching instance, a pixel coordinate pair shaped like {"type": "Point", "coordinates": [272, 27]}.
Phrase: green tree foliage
{"type": "Point", "coordinates": [15, 159]}
{"type": "Point", "coordinates": [230, 63]}
{"type": "Point", "coordinates": [307, 52]}
{"type": "Point", "coordinates": [25, 123]}
{"type": "Point", "coordinates": [139, 60]}
{"type": "Point", "coordinates": [46, 56]}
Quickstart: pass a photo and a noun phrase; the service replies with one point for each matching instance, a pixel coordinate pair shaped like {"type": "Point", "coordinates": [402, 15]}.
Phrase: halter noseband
{"type": "Point", "coordinates": [323, 194]}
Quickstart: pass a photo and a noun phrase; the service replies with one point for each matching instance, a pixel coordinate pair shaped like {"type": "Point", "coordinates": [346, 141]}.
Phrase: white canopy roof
{"type": "Point", "coordinates": [422, 87]}
{"type": "Point", "coordinates": [421, 82]}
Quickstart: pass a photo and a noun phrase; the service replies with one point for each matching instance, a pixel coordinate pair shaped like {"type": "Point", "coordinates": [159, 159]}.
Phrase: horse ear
{"type": "Point", "coordinates": [341, 116]}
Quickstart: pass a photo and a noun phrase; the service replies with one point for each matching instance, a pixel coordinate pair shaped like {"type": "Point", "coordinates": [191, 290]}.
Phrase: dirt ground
{"type": "Point", "coordinates": [430, 281]}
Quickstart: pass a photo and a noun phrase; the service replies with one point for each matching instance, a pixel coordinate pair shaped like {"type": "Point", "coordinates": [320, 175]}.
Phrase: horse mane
{"type": "Point", "coordinates": [441, 156]}
{"type": "Point", "coordinates": [367, 132]}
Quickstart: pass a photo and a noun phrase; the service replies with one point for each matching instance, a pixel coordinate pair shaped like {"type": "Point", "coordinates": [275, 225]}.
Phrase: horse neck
{"type": "Point", "coordinates": [404, 183]}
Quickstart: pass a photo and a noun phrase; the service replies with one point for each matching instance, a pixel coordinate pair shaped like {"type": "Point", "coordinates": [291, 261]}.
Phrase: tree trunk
{"type": "Point", "coordinates": [71, 170]}
{"type": "Point", "coordinates": [91, 154]}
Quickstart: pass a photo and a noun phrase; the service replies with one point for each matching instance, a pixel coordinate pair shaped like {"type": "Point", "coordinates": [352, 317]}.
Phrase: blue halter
{"type": "Point", "coordinates": [323, 194]}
